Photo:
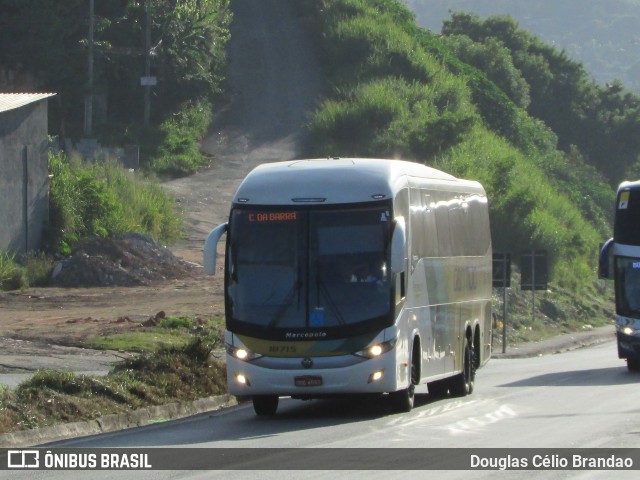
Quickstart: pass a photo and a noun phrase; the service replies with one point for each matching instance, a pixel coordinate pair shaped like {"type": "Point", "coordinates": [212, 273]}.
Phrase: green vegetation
{"type": "Point", "coordinates": [104, 199]}
{"type": "Point", "coordinates": [87, 200]}
{"type": "Point", "coordinates": [557, 311]}
{"type": "Point", "coordinates": [10, 272]}
{"type": "Point", "coordinates": [178, 373]}
{"type": "Point", "coordinates": [400, 91]}
{"type": "Point", "coordinates": [186, 54]}
{"type": "Point", "coordinates": [167, 332]}
{"type": "Point", "coordinates": [188, 57]}
{"type": "Point", "coordinates": [602, 34]}
{"type": "Point", "coordinates": [34, 270]}
{"type": "Point", "coordinates": [179, 152]}
{"type": "Point", "coordinates": [599, 121]}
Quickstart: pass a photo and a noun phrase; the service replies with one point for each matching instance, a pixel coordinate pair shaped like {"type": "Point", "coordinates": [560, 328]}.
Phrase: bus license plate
{"type": "Point", "coordinates": [308, 381]}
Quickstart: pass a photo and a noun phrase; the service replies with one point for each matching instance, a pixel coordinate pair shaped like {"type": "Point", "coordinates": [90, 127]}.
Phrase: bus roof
{"type": "Point", "coordinates": [339, 180]}
{"type": "Point", "coordinates": [629, 185]}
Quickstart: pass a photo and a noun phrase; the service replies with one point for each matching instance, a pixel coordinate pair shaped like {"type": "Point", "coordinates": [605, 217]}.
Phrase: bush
{"type": "Point", "coordinates": [392, 117]}
{"type": "Point", "coordinates": [104, 199]}
{"type": "Point", "coordinates": [12, 277]}
{"type": "Point", "coordinates": [34, 271]}
{"type": "Point", "coordinates": [172, 374]}
{"type": "Point", "coordinates": [38, 267]}
{"type": "Point", "coordinates": [179, 152]}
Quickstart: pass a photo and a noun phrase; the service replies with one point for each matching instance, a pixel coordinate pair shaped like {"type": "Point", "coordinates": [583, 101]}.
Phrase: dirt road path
{"type": "Point", "coordinates": [275, 82]}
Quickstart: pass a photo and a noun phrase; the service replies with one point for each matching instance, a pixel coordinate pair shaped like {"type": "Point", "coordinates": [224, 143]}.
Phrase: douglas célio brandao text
{"type": "Point", "coordinates": [568, 461]}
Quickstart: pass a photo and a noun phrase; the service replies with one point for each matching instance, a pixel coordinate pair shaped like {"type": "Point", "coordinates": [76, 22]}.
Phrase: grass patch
{"type": "Point", "coordinates": [159, 333]}
{"type": "Point", "coordinates": [11, 275]}
{"type": "Point", "coordinates": [557, 311]}
{"type": "Point", "coordinates": [179, 153]}
{"type": "Point", "coordinates": [148, 340]}
{"type": "Point", "coordinates": [32, 270]}
{"type": "Point", "coordinates": [166, 375]}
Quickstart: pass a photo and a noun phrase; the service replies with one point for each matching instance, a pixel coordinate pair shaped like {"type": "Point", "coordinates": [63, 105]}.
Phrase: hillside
{"type": "Point", "coordinates": [248, 134]}
{"type": "Point", "coordinates": [394, 98]}
{"type": "Point", "coordinates": [602, 34]}
{"type": "Point", "coordinates": [390, 89]}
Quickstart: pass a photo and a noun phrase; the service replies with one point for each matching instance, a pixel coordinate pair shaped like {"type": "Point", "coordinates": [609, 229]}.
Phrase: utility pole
{"type": "Point", "coordinates": [147, 64]}
{"type": "Point", "coordinates": [533, 286]}
{"type": "Point", "coordinates": [88, 97]}
{"type": "Point", "coordinates": [506, 282]}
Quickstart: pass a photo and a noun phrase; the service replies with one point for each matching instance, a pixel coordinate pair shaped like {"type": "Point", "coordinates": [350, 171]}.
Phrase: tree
{"type": "Point", "coordinates": [47, 39]}
{"type": "Point", "coordinates": [602, 122]}
{"type": "Point", "coordinates": [190, 45]}
{"type": "Point", "coordinates": [493, 58]}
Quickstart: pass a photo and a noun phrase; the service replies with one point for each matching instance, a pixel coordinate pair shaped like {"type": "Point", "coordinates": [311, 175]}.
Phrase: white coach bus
{"type": "Point", "coordinates": [346, 276]}
{"type": "Point", "coordinates": [620, 262]}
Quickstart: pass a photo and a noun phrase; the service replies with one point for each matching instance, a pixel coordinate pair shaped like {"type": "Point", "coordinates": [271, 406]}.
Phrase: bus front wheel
{"type": "Point", "coordinates": [404, 399]}
{"type": "Point", "coordinates": [633, 364]}
{"type": "Point", "coordinates": [265, 404]}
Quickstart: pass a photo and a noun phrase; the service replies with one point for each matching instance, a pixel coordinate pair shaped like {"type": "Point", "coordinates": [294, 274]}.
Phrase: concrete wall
{"type": "Point", "coordinates": [24, 179]}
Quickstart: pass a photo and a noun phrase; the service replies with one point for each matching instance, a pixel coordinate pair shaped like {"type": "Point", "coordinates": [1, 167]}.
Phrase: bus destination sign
{"type": "Point", "coordinates": [273, 217]}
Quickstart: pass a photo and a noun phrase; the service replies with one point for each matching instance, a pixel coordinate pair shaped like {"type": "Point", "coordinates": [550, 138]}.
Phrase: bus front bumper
{"type": "Point", "coordinates": [628, 345]}
{"type": "Point", "coordinates": [371, 376]}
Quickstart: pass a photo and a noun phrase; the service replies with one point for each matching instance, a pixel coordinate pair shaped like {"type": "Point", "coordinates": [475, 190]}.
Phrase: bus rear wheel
{"type": "Point", "coordinates": [265, 404]}
{"type": "Point", "coordinates": [462, 384]}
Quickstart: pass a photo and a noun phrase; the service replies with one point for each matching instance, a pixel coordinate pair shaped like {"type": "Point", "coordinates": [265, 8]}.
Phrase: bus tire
{"type": "Point", "coordinates": [404, 399]}
{"type": "Point", "coordinates": [265, 404]}
{"type": "Point", "coordinates": [633, 364]}
{"type": "Point", "coordinates": [462, 384]}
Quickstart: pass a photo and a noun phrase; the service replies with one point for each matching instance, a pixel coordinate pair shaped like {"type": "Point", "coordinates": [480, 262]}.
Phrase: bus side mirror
{"type": "Point", "coordinates": [210, 246]}
{"type": "Point", "coordinates": [398, 242]}
{"type": "Point", "coordinates": [605, 261]}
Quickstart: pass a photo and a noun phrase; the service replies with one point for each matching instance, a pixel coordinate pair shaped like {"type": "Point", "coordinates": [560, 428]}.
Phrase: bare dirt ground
{"type": "Point", "coordinates": [275, 81]}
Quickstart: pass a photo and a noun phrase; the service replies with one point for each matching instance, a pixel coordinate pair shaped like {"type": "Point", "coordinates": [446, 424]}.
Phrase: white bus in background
{"type": "Point", "coordinates": [347, 276]}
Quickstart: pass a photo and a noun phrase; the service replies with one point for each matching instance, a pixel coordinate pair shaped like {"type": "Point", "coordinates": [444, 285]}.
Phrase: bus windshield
{"type": "Point", "coordinates": [305, 270]}
{"type": "Point", "coordinates": [627, 271]}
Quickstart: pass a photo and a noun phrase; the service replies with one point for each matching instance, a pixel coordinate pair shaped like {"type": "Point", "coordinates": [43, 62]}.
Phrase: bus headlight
{"type": "Point", "coordinates": [377, 349]}
{"type": "Point", "coordinates": [243, 354]}
{"type": "Point", "coordinates": [630, 331]}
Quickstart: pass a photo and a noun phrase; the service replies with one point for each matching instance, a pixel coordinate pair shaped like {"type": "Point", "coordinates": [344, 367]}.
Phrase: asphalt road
{"type": "Point", "coordinates": [582, 398]}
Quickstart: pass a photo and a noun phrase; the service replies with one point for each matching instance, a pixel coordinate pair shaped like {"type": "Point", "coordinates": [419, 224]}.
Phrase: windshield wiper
{"type": "Point", "coordinates": [332, 305]}
{"type": "Point", "coordinates": [295, 288]}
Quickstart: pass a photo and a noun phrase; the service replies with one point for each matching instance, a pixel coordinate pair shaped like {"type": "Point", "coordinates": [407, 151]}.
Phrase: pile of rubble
{"type": "Point", "coordinates": [131, 260]}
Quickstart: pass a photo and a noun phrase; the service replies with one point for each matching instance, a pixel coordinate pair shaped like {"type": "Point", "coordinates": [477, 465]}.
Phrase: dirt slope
{"type": "Point", "coordinates": [275, 82]}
